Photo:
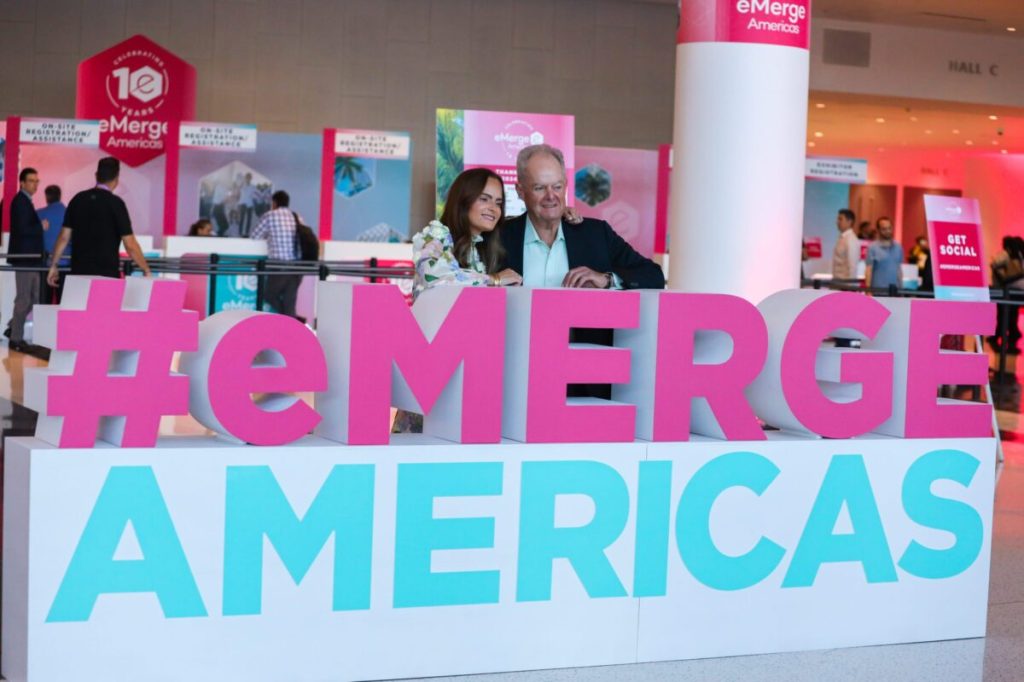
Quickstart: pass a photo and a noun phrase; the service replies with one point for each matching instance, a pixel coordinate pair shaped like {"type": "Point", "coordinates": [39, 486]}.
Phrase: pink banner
{"type": "Point", "coordinates": [493, 139]}
{"type": "Point", "coordinates": [954, 232]}
{"type": "Point", "coordinates": [769, 22]}
{"type": "Point", "coordinates": [135, 89]}
{"type": "Point", "coordinates": [620, 186]}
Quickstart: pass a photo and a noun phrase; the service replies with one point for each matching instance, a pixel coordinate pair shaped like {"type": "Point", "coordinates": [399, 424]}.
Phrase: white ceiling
{"type": "Point", "coordinates": [847, 120]}
{"type": "Point", "coordinates": [981, 16]}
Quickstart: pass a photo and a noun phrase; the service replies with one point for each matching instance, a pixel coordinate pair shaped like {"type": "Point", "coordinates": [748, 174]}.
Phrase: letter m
{"type": "Point", "coordinates": [256, 509]}
{"type": "Point", "coordinates": [444, 358]}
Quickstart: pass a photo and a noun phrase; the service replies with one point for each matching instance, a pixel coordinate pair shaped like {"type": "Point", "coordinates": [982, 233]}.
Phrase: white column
{"type": "Point", "coordinates": [737, 189]}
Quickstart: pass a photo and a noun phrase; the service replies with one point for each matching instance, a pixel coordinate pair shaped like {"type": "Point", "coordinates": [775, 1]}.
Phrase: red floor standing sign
{"type": "Point", "coordinates": [134, 89]}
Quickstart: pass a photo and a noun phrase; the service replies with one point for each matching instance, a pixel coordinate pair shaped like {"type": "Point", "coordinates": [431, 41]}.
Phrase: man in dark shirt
{"type": "Point", "coordinates": [98, 220]}
{"type": "Point", "coordinates": [27, 239]}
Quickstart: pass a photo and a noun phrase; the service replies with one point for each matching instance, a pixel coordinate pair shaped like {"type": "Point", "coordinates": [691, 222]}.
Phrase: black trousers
{"type": "Point", "coordinates": [281, 291]}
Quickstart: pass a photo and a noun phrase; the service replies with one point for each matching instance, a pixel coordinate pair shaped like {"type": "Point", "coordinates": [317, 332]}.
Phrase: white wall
{"type": "Point", "coordinates": [915, 63]}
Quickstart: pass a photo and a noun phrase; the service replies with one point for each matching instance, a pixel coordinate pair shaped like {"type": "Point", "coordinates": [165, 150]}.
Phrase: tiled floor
{"type": "Point", "coordinates": [998, 657]}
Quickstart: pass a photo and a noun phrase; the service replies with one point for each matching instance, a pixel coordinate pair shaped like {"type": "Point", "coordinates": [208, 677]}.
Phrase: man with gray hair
{"type": "Point", "coordinates": [549, 252]}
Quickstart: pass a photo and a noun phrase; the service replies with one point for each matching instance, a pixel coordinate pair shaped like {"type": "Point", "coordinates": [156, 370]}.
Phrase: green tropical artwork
{"type": "Point", "coordinates": [450, 136]}
{"type": "Point", "coordinates": [352, 175]}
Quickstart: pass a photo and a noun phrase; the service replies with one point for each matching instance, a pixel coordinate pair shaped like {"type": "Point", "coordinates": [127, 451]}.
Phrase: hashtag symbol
{"type": "Point", "coordinates": [110, 372]}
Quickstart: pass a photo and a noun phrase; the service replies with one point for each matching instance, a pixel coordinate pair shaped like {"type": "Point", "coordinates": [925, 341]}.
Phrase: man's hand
{"type": "Point", "coordinates": [584, 277]}
{"type": "Point", "coordinates": [52, 276]}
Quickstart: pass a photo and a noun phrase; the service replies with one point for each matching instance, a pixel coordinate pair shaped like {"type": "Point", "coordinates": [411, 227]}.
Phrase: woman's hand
{"type": "Point", "coordinates": [509, 278]}
{"type": "Point", "coordinates": [572, 216]}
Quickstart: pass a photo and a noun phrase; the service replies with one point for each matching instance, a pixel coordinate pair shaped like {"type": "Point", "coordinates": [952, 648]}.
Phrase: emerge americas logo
{"type": "Point", "coordinates": [770, 22]}
{"type": "Point", "coordinates": [516, 135]}
{"type": "Point", "coordinates": [134, 89]}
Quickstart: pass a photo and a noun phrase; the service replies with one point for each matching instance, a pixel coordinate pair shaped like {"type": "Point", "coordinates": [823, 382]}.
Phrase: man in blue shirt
{"type": "Point", "coordinates": [52, 213]}
{"type": "Point", "coordinates": [52, 216]}
{"type": "Point", "coordinates": [885, 257]}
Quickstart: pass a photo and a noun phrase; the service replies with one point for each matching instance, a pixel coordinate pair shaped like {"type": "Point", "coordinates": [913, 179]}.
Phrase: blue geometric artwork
{"type": "Point", "coordinates": [593, 184]}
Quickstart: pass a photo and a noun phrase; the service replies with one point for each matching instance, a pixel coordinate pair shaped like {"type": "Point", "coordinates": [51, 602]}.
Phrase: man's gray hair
{"type": "Point", "coordinates": [527, 153]}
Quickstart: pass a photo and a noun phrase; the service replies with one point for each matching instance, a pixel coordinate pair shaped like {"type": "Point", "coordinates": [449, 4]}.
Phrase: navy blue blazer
{"type": "Point", "coordinates": [26, 230]}
{"type": "Point", "coordinates": [594, 244]}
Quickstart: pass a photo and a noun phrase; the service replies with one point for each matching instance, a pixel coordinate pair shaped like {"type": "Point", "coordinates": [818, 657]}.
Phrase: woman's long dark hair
{"type": "Point", "coordinates": [1014, 246]}
{"type": "Point", "coordinates": [466, 189]}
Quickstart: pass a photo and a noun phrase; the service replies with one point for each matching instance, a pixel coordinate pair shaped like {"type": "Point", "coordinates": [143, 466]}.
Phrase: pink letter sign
{"type": "Point", "coordinates": [554, 364]}
{"type": "Point", "coordinates": [930, 367]}
{"type": "Point", "coordinates": [241, 353]}
{"type": "Point", "coordinates": [110, 370]}
{"type": "Point", "coordinates": [380, 344]}
{"type": "Point", "coordinates": [695, 364]}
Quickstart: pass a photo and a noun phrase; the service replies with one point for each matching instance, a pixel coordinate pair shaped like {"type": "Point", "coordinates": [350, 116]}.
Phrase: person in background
{"type": "Point", "coordinates": [201, 228]}
{"type": "Point", "coordinates": [1008, 273]}
{"type": "Point", "coordinates": [277, 228]}
{"type": "Point", "coordinates": [865, 232]}
{"type": "Point", "coordinates": [845, 257]}
{"type": "Point", "coordinates": [919, 254]}
{"type": "Point", "coordinates": [52, 215]}
{"type": "Point", "coordinates": [885, 258]}
{"type": "Point", "coordinates": [26, 238]}
{"type": "Point", "coordinates": [846, 253]}
{"type": "Point", "coordinates": [99, 221]}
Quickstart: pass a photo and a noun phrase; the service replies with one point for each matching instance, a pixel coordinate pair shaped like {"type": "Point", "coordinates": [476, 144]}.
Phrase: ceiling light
{"type": "Point", "coordinates": [956, 131]}
{"type": "Point", "coordinates": [927, 132]}
{"type": "Point", "coordinates": [879, 120]}
{"type": "Point", "coordinates": [818, 133]}
{"type": "Point", "coordinates": [811, 144]}
{"type": "Point", "coordinates": [970, 143]}
{"type": "Point", "coordinates": [995, 143]}
{"type": "Point", "coordinates": [820, 105]}
{"type": "Point", "coordinates": [993, 117]}
{"type": "Point", "coordinates": [914, 119]}
{"type": "Point", "coordinates": [1004, 151]}
{"type": "Point", "coordinates": [1011, 29]}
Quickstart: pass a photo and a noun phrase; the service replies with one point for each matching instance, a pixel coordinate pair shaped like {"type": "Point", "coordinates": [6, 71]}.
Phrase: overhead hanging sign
{"type": "Point", "coordinates": [135, 89]}
{"type": "Point", "coordinates": [195, 135]}
{"type": "Point", "coordinates": [60, 131]}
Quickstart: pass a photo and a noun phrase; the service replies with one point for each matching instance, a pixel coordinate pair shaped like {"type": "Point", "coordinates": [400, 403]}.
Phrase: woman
{"type": "Point", "coordinates": [201, 228]}
{"type": "Point", "coordinates": [455, 251]}
{"type": "Point", "coordinates": [1008, 273]}
{"type": "Point", "coordinates": [461, 248]}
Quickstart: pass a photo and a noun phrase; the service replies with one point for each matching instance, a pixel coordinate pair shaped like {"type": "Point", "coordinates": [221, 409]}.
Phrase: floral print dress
{"type": "Point", "coordinates": [433, 250]}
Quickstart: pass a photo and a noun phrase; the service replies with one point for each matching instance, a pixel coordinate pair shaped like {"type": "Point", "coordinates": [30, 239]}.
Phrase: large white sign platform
{"type": "Point", "coordinates": [202, 560]}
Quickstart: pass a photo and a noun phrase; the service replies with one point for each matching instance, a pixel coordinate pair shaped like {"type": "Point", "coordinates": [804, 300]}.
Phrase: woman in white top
{"type": "Point", "coordinates": [460, 248]}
